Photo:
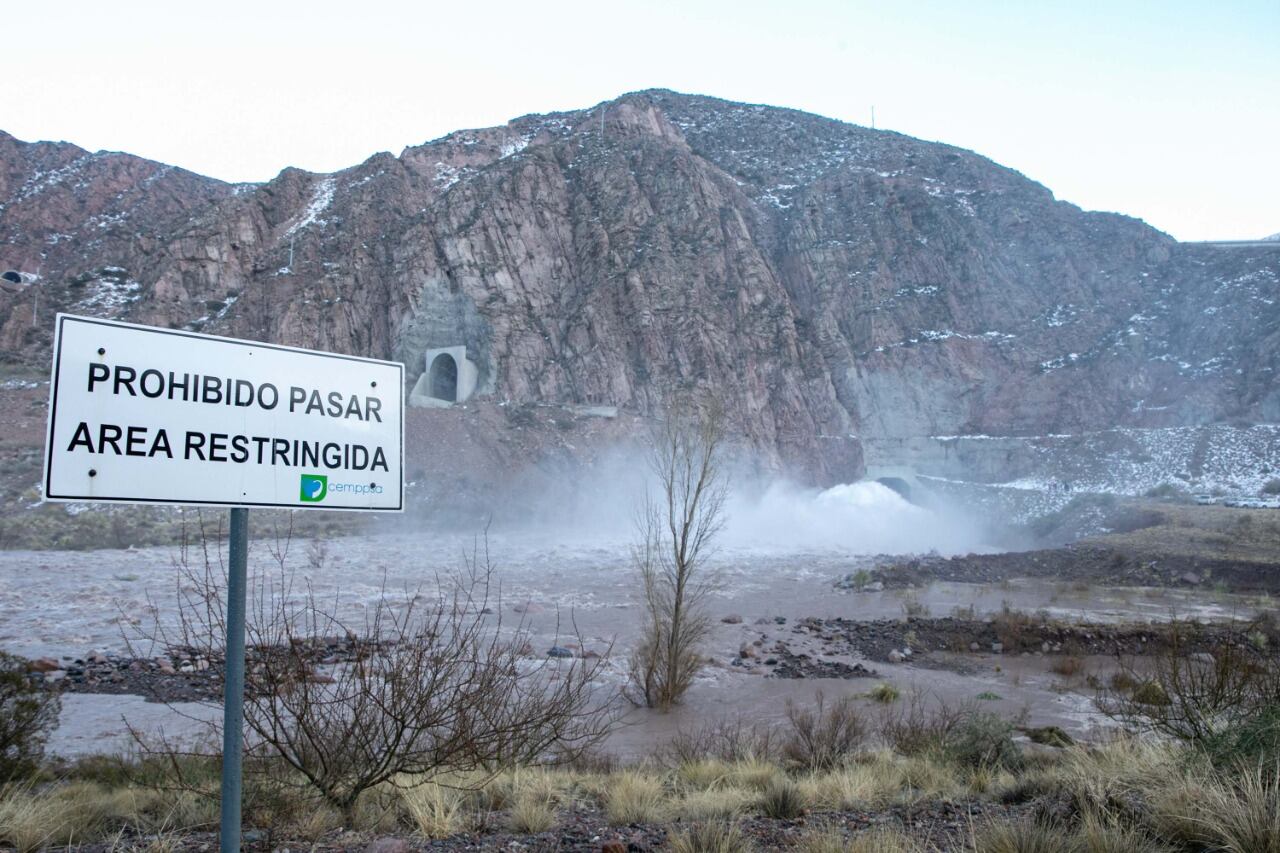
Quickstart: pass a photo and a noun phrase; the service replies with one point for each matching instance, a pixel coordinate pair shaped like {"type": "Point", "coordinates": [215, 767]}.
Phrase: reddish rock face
{"type": "Point", "coordinates": [831, 282]}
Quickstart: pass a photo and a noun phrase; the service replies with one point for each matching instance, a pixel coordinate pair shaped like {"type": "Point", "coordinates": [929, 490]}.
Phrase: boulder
{"type": "Point", "coordinates": [731, 619]}
{"type": "Point", "coordinates": [43, 665]}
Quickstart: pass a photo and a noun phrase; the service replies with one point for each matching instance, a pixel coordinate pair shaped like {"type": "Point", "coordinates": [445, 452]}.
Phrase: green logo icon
{"type": "Point", "coordinates": [314, 488]}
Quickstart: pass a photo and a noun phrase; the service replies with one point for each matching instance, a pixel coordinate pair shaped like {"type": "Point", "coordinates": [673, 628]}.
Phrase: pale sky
{"type": "Point", "coordinates": [1165, 111]}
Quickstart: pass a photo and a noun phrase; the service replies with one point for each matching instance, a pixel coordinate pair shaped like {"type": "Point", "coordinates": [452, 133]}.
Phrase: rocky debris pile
{"type": "Point", "coordinates": [915, 639]}
{"type": "Point", "coordinates": [1071, 563]}
{"type": "Point", "coordinates": [167, 678]}
{"type": "Point", "coordinates": [777, 659]}
{"type": "Point", "coordinates": [184, 674]}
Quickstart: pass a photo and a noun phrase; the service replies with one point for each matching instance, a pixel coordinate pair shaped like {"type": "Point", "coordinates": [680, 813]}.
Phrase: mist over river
{"type": "Point", "coordinates": [780, 551]}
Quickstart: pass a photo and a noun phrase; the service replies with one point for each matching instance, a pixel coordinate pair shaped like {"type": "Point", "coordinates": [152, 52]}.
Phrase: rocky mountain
{"type": "Point", "coordinates": [842, 288]}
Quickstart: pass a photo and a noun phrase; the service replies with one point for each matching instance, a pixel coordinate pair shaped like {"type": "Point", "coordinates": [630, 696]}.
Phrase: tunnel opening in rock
{"type": "Point", "coordinates": [13, 276]}
{"type": "Point", "coordinates": [899, 485]}
{"type": "Point", "coordinates": [444, 378]}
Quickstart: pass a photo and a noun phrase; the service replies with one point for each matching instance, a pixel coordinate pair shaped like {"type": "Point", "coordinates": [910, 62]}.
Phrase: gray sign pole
{"type": "Point", "coordinates": [233, 689]}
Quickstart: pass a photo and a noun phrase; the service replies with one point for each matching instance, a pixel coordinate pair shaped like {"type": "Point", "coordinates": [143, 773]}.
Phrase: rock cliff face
{"type": "Point", "coordinates": [832, 282]}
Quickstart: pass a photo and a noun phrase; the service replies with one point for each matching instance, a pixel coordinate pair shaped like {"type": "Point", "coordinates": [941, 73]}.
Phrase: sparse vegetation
{"type": "Point", "coordinates": [884, 693]}
{"type": "Point", "coordinates": [1068, 665]}
{"type": "Point", "coordinates": [433, 687]}
{"type": "Point", "coordinates": [27, 716]}
{"type": "Point", "coordinates": [711, 837]}
{"type": "Point", "coordinates": [677, 528]}
{"type": "Point", "coordinates": [823, 735]}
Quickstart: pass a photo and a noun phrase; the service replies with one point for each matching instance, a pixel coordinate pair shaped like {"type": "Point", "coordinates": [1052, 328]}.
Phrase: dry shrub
{"type": "Point", "coordinates": [28, 714]}
{"type": "Point", "coordinates": [822, 736]}
{"type": "Point", "coordinates": [920, 725]}
{"type": "Point", "coordinates": [1068, 666]}
{"type": "Point", "coordinates": [711, 837]}
{"type": "Point", "coordinates": [428, 684]}
{"type": "Point", "coordinates": [634, 798]}
{"type": "Point", "coordinates": [1192, 696]}
{"type": "Point", "coordinates": [984, 740]}
{"type": "Point", "coordinates": [727, 739]}
{"type": "Point", "coordinates": [1015, 628]}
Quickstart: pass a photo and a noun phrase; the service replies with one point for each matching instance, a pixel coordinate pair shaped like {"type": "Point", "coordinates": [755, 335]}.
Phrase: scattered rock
{"type": "Point", "coordinates": [388, 845]}
{"type": "Point", "coordinates": [895, 656]}
{"type": "Point", "coordinates": [1049, 736]}
{"type": "Point", "coordinates": [997, 648]}
{"type": "Point", "coordinates": [731, 619]}
{"type": "Point", "coordinates": [1190, 577]}
{"type": "Point", "coordinates": [559, 652]}
{"type": "Point", "coordinates": [747, 651]}
{"type": "Point", "coordinates": [614, 846]}
{"type": "Point", "coordinates": [43, 665]}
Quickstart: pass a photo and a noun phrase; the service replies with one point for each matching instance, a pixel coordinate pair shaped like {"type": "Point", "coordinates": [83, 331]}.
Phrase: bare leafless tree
{"type": "Point", "coordinates": [427, 683]}
{"type": "Point", "coordinates": [676, 527]}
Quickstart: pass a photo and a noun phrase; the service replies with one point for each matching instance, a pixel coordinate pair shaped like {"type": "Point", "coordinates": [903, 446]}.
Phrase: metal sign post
{"type": "Point", "coordinates": [233, 685]}
{"type": "Point", "coordinates": [160, 416]}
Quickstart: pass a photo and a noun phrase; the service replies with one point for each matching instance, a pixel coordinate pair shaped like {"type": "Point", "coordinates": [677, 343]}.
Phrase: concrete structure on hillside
{"type": "Point", "coordinates": [450, 377]}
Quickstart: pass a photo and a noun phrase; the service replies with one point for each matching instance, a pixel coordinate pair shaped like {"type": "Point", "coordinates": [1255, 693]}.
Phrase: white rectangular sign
{"type": "Point", "coordinates": [145, 415]}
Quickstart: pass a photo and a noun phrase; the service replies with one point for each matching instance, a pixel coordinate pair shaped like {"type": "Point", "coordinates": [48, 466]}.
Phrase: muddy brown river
{"type": "Point", "coordinates": [69, 603]}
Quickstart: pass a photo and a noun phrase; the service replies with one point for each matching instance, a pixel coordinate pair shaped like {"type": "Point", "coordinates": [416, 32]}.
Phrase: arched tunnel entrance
{"type": "Point", "coordinates": [444, 378]}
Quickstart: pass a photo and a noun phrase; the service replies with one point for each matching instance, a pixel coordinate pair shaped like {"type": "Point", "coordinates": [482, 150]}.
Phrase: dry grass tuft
{"type": "Point", "coordinates": [706, 773]}
{"type": "Point", "coordinates": [783, 799]}
{"type": "Point", "coordinates": [832, 840]}
{"type": "Point", "coordinates": [1241, 811]}
{"type": "Point", "coordinates": [711, 837]}
{"type": "Point", "coordinates": [435, 810]}
{"type": "Point", "coordinates": [635, 798]}
{"type": "Point", "coordinates": [533, 811]}
{"type": "Point", "coordinates": [1024, 836]}
{"type": "Point", "coordinates": [714, 804]}
{"type": "Point", "coordinates": [754, 774]}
